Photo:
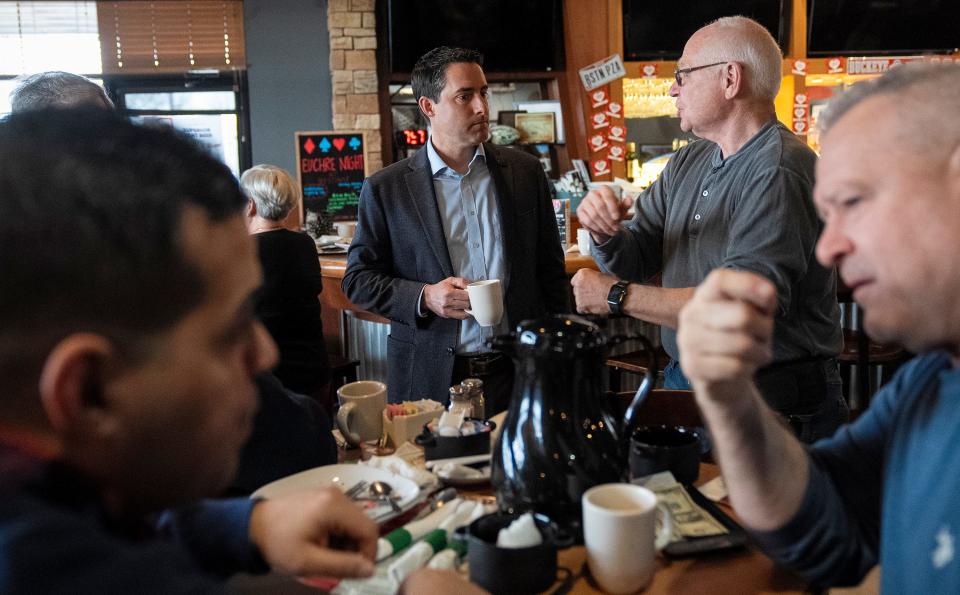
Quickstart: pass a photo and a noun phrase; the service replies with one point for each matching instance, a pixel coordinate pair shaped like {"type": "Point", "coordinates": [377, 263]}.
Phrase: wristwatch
{"type": "Point", "coordinates": [616, 296]}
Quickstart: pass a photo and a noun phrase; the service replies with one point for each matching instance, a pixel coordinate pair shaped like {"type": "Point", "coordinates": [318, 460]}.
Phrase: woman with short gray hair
{"type": "Point", "coordinates": [289, 303]}
{"type": "Point", "coordinates": [272, 190]}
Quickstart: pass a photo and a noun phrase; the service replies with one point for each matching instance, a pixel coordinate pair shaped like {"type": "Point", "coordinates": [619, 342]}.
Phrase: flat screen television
{"type": "Point", "coordinates": [881, 27]}
{"type": "Point", "coordinates": [658, 29]}
{"type": "Point", "coordinates": [512, 35]}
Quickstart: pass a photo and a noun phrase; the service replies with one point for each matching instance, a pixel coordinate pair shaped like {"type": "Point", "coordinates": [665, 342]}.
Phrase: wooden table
{"type": "Point", "coordinates": [738, 572]}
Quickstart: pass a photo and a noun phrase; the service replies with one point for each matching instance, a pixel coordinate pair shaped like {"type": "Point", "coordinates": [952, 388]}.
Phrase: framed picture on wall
{"type": "Point", "coordinates": [549, 105]}
{"type": "Point", "coordinates": [536, 128]}
{"type": "Point", "coordinates": [508, 117]}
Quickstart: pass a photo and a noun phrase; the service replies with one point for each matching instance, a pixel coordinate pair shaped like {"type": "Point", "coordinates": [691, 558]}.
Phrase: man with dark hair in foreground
{"type": "Point", "coordinates": [291, 432]}
{"type": "Point", "coordinates": [128, 348]}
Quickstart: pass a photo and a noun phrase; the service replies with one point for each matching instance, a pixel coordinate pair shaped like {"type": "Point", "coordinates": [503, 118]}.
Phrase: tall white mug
{"type": "Point", "coordinates": [360, 416]}
{"type": "Point", "coordinates": [486, 301]}
{"type": "Point", "coordinates": [619, 531]}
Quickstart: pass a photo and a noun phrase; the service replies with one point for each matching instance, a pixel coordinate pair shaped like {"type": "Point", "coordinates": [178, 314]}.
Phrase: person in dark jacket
{"type": "Point", "coordinates": [128, 350]}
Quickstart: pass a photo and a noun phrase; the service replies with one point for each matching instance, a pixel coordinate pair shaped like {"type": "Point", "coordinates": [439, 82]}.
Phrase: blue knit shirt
{"type": "Point", "coordinates": [886, 489]}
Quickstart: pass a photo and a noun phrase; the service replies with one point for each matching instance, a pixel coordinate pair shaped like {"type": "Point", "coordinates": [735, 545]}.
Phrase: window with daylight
{"type": "Point", "coordinates": [38, 36]}
{"type": "Point", "coordinates": [178, 63]}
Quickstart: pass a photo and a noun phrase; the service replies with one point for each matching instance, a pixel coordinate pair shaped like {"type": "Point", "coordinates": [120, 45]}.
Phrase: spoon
{"type": "Point", "coordinates": [382, 491]}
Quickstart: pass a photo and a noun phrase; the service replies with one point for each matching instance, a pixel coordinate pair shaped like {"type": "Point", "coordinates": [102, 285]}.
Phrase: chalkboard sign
{"type": "Point", "coordinates": [330, 168]}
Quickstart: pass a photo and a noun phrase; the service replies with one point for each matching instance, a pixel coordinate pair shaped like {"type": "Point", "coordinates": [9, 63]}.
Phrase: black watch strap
{"type": "Point", "coordinates": [616, 296]}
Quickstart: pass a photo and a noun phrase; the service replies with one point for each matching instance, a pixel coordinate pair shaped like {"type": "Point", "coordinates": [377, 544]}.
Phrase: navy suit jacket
{"type": "Point", "coordinates": [399, 246]}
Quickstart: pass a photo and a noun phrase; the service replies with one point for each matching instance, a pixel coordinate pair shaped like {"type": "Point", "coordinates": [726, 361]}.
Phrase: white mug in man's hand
{"type": "Point", "coordinates": [486, 301]}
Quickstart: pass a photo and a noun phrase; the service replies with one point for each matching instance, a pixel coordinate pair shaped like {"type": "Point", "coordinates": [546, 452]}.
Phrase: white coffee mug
{"type": "Point", "coordinates": [486, 301]}
{"type": "Point", "coordinates": [619, 531]}
{"type": "Point", "coordinates": [583, 241]}
{"type": "Point", "coordinates": [345, 229]}
{"type": "Point", "coordinates": [360, 415]}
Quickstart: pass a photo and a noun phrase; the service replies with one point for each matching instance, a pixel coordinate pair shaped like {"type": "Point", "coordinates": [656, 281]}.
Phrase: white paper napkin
{"type": "Point", "coordinates": [398, 466]}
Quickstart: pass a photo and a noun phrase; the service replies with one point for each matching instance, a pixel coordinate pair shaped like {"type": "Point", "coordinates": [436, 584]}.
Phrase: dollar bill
{"type": "Point", "coordinates": [689, 520]}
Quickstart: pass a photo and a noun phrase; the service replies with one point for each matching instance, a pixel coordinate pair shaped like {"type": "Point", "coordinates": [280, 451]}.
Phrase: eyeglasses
{"type": "Point", "coordinates": [678, 74]}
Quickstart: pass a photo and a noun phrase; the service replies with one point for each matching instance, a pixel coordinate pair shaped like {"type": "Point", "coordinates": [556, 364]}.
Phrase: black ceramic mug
{"type": "Point", "coordinates": [665, 448]}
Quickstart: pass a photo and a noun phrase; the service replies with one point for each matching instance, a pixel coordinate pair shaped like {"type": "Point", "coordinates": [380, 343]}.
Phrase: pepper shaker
{"type": "Point", "coordinates": [474, 388]}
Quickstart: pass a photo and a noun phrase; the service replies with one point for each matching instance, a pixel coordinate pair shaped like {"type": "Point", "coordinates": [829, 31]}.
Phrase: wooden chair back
{"type": "Point", "coordinates": [664, 406]}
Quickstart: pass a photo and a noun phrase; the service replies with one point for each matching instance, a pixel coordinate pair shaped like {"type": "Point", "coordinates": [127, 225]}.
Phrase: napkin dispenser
{"type": "Point", "coordinates": [404, 428]}
{"type": "Point", "coordinates": [449, 447]}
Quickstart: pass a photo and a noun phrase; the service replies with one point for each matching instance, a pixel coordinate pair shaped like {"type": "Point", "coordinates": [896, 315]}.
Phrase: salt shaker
{"type": "Point", "coordinates": [460, 401]}
{"type": "Point", "coordinates": [474, 388]}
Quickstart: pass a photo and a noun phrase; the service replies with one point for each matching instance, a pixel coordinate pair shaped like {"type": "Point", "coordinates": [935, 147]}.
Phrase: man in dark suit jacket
{"type": "Point", "coordinates": [458, 211]}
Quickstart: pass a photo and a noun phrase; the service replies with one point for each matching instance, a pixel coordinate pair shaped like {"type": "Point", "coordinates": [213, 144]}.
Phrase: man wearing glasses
{"type": "Point", "coordinates": [740, 199]}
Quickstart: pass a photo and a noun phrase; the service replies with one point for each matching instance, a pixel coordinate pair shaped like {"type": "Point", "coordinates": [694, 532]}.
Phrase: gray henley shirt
{"type": "Point", "coordinates": [752, 211]}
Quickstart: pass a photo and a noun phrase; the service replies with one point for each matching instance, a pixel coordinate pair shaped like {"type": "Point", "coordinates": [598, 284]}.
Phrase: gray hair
{"type": "Point", "coordinates": [747, 42]}
{"type": "Point", "coordinates": [927, 103]}
{"type": "Point", "coordinates": [57, 89]}
{"type": "Point", "coordinates": [272, 190]}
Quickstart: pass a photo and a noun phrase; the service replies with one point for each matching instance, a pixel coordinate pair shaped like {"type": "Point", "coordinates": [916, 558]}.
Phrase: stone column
{"type": "Point", "coordinates": [353, 67]}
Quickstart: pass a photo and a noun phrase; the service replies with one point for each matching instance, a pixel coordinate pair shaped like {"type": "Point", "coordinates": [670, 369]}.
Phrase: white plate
{"type": "Point", "coordinates": [335, 249]}
{"type": "Point", "coordinates": [345, 477]}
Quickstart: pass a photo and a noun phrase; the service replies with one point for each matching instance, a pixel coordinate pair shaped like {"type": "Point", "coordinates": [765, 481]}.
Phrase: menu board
{"type": "Point", "coordinates": [330, 168]}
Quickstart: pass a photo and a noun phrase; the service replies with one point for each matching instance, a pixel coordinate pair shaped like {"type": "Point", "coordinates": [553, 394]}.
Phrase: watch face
{"type": "Point", "coordinates": [616, 295]}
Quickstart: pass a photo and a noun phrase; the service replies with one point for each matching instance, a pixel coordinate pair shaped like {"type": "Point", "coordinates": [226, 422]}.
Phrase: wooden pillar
{"type": "Point", "coordinates": [586, 39]}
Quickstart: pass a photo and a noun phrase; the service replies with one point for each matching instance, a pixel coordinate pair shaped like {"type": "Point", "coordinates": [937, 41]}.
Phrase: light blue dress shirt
{"type": "Point", "coordinates": [471, 225]}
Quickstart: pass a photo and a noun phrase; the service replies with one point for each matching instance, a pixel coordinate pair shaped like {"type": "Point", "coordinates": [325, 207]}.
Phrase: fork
{"type": "Point", "coordinates": [356, 489]}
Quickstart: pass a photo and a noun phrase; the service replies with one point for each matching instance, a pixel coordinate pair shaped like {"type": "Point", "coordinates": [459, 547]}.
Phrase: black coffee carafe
{"type": "Point", "coordinates": [560, 436]}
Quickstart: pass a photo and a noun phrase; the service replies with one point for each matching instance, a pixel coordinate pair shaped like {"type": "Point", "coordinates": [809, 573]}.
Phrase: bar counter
{"type": "Point", "coordinates": [333, 266]}
{"type": "Point", "coordinates": [354, 333]}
